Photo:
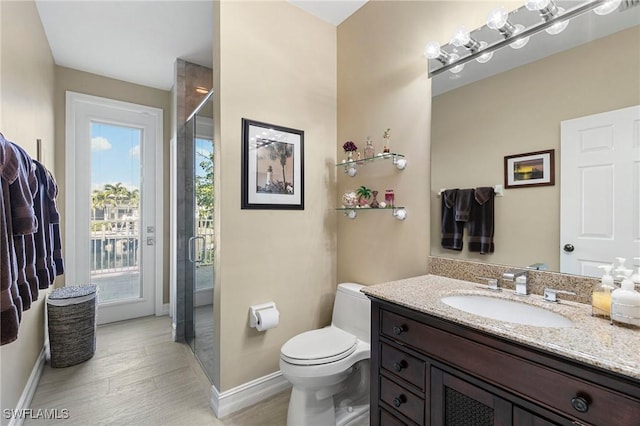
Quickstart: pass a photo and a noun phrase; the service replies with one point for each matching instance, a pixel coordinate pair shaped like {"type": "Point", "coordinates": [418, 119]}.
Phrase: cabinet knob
{"type": "Point", "coordinates": [399, 400]}
{"type": "Point", "coordinates": [399, 329]}
{"type": "Point", "coordinates": [399, 365]}
{"type": "Point", "coordinates": [580, 404]}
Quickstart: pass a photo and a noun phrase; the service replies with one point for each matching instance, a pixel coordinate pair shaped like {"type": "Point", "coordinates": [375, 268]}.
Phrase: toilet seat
{"type": "Point", "coordinates": [320, 346]}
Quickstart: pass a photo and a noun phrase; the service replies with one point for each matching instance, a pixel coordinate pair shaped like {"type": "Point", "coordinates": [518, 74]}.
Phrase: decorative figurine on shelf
{"type": "Point", "coordinates": [386, 137]}
{"type": "Point", "coordinates": [389, 198]}
{"type": "Point", "coordinates": [374, 201]}
{"type": "Point", "coordinates": [349, 199]}
{"type": "Point", "coordinates": [364, 195]}
{"type": "Point", "coordinates": [349, 148]}
{"type": "Point", "coordinates": [369, 151]}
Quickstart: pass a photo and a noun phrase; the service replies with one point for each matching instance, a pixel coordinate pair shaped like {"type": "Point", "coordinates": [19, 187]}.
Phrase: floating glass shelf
{"type": "Point", "coordinates": [386, 156]}
{"type": "Point", "coordinates": [398, 212]}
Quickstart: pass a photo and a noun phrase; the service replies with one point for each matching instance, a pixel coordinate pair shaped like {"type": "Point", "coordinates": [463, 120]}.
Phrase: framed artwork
{"type": "Point", "coordinates": [529, 169]}
{"type": "Point", "coordinates": [272, 166]}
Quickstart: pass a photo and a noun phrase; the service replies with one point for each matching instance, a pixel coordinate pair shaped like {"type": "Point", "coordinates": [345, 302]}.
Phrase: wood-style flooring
{"type": "Point", "coordinates": [139, 376]}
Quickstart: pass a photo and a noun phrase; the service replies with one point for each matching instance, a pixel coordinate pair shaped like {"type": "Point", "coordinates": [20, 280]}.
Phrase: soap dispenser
{"type": "Point", "coordinates": [620, 266]}
{"type": "Point", "coordinates": [625, 302]}
{"type": "Point", "coordinates": [601, 296]}
{"type": "Point", "coordinates": [636, 277]}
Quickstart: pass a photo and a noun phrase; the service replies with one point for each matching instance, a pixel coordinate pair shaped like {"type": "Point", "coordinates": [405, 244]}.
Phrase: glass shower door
{"type": "Point", "coordinates": [201, 232]}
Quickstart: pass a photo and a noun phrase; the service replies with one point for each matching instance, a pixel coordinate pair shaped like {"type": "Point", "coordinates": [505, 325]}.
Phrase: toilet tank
{"type": "Point", "coordinates": [352, 311]}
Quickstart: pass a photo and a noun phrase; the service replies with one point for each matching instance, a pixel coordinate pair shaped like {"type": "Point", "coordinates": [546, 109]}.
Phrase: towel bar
{"type": "Point", "coordinates": [498, 189]}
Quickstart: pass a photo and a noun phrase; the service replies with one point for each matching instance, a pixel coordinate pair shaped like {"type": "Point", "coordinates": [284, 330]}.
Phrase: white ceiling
{"type": "Point", "coordinates": [139, 41]}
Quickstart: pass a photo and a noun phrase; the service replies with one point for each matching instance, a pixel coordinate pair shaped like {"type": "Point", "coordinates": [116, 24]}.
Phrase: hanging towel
{"type": "Point", "coordinates": [44, 260]}
{"type": "Point", "coordinates": [481, 222]}
{"type": "Point", "coordinates": [24, 224]}
{"type": "Point", "coordinates": [451, 230]}
{"type": "Point", "coordinates": [54, 220]}
{"type": "Point", "coordinates": [463, 205]}
{"type": "Point", "coordinates": [9, 311]}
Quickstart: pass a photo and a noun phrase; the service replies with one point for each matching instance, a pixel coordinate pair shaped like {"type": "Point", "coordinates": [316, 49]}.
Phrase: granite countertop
{"type": "Point", "coordinates": [591, 340]}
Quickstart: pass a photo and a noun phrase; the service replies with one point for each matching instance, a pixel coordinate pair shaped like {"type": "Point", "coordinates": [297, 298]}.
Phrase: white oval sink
{"type": "Point", "coordinates": [507, 310]}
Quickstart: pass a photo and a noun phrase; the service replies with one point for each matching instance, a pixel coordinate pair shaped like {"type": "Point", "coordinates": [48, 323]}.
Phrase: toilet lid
{"type": "Point", "coordinates": [319, 346]}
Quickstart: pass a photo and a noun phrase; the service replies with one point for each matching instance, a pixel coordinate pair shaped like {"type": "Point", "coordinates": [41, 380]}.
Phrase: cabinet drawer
{"type": "Point", "coordinates": [387, 419]}
{"type": "Point", "coordinates": [403, 330]}
{"type": "Point", "coordinates": [403, 365]}
{"type": "Point", "coordinates": [405, 402]}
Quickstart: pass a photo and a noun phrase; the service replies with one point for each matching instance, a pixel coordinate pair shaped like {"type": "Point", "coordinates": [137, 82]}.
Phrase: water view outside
{"type": "Point", "coordinates": [115, 211]}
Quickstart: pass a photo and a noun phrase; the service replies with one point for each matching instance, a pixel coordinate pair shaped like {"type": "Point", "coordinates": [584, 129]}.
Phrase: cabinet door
{"type": "Point", "coordinates": [455, 402]}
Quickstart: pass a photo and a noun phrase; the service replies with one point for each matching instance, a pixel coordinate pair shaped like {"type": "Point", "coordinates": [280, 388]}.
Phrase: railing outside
{"type": "Point", "coordinates": [206, 248]}
{"type": "Point", "coordinates": [114, 246]}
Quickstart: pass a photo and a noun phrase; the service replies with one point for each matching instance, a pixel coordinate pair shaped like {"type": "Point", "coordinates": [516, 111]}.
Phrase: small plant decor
{"type": "Point", "coordinates": [364, 195]}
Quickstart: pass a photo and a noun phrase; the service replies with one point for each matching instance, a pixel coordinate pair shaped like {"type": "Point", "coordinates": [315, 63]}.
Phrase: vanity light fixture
{"type": "Point", "coordinates": [433, 51]}
{"type": "Point", "coordinates": [554, 19]}
{"type": "Point", "coordinates": [608, 7]}
{"type": "Point", "coordinates": [462, 38]}
{"type": "Point", "coordinates": [498, 20]}
{"type": "Point", "coordinates": [548, 10]}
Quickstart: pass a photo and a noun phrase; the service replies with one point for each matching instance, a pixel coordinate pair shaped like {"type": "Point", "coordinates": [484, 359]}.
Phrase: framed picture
{"type": "Point", "coordinates": [272, 166]}
{"type": "Point", "coordinates": [530, 169]}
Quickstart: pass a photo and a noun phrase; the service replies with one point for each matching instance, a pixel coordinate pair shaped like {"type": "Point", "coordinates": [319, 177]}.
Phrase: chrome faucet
{"type": "Point", "coordinates": [512, 274]}
{"type": "Point", "coordinates": [492, 283]}
{"type": "Point", "coordinates": [550, 294]}
{"type": "Point", "coordinates": [519, 278]}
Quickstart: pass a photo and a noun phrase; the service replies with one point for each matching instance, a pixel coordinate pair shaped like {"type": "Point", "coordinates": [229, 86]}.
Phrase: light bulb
{"type": "Point", "coordinates": [483, 59]}
{"type": "Point", "coordinates": [520, 42]}
{"type": "Point", "coordinates": [559, 26]}
{"type": "Point", "coordinates": [432, 50]}
{"type": "Point", "coordinates": [461, 36]}
{"type": "Point", "coordinates": [537, 4]}
{"type": "Point", "coordinates": [607, 7]}
{"type": "Point", "coordinates": [452, 58]}
{"type": "Point", "coordinates": [497, 18]}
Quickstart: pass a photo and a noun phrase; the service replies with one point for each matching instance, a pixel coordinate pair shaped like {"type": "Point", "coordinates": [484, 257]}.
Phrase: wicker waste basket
{"type": "Point", "coordinates": [71, 314]}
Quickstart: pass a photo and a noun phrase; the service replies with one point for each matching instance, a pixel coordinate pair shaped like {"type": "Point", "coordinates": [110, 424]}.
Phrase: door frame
{"type": "Point", "coordinates": [70, 249]}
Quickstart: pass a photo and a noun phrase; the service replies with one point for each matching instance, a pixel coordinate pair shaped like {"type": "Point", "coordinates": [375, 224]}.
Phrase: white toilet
{"type": "Point", "coordinates": [329, 367]}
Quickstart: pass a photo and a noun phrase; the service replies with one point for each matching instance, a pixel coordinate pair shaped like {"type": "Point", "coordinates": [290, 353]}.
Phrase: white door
{"type": "Point", "coordinates": [600, 190]}
{"type": "Point", "coordinates": [113, 207]}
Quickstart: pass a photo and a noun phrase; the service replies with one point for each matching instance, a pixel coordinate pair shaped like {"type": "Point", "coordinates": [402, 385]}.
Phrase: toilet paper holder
{"type": "Point", "coordinates": [253, 312]}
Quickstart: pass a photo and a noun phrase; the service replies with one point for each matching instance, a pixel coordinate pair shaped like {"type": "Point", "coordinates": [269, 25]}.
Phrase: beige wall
{"type": "Point", "coordinates": [383, 83]}
{"type": "Point", "coordinates": [26, 114]}
{"type": "Point", "coordinates": [276, 64]}
{"type": "Point", "coordinates": [96, 85]}
{"type": "Point", "coordinates": [520, 111]}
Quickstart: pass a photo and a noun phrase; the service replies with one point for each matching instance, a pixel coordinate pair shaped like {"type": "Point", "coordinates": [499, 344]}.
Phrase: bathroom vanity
{"type": "Point", "coordinates": [432, 364]}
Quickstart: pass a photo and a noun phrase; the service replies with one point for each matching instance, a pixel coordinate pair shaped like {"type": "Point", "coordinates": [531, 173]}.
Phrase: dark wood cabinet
{"type": "Point", "coordinates": [429, 371]}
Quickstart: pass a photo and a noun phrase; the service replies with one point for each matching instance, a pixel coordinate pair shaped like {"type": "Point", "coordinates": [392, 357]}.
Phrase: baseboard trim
{"type": "Point", "coordinates": [164, 311]}
{"type": "Point", "coordinates": [29, 389]}
{"type": "Point", "coordinates": [228, 402]}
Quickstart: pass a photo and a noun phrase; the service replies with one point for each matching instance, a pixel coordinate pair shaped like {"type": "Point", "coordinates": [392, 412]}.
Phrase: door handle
{"type": "Point", "coordinates": [192, 249]}
{"type": "Point", "coordinates": [568, 248]}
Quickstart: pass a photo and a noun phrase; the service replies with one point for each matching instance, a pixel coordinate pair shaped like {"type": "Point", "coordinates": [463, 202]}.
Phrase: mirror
{"type": "Point", "coordinates": [478, 119]}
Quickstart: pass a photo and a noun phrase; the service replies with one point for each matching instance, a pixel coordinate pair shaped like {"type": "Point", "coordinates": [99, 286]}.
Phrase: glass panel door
{"type": "Point", "coordinates": [200, 275]}
{"type": "Point", "coordinates": [115, 211]}
{"type": "Point", "coordinates": [113, 205]}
